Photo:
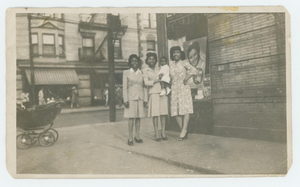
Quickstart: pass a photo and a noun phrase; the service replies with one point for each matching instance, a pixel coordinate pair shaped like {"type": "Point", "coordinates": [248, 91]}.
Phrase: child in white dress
{"type": "Point", "coordinates": [165, 79]}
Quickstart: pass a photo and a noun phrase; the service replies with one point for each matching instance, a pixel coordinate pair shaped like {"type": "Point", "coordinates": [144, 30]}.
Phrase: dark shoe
{"type": "Point", "coordinates": [130, 143]}
{"type": "Point", "coordinates": [182, 138]}
{"type": "Point", "coordinates": [157, 139]}
{"type": "Point", "coordinates": [164, 138]}
{"type": "Point", "coordinates": [138, 140]}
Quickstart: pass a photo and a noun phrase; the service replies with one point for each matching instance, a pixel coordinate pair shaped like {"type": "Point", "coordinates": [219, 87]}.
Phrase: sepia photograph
{"type": "Point", "coordinates": [163, 92]}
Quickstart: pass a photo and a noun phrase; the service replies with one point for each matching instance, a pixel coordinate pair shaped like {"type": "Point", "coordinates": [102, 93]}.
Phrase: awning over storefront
{"type": "Point", "coordinates": [53, 76]}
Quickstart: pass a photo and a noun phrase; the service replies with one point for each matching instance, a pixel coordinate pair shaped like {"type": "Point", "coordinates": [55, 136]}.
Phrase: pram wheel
{"type": "Point", "coordinates": [24, 141]}
{"type": "Point", "coordinates": [55, 133]}
{"type": "Point", "coordinates": [46, 139]}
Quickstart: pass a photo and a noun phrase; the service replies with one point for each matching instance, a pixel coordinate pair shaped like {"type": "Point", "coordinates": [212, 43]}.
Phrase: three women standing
{"type": "Point", "coordinates": [136, 96]}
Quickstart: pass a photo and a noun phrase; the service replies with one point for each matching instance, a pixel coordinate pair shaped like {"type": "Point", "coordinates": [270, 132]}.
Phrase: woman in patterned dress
{"type": "Point", "coordinates": [135, 97]}
{"type": "Point", "coordinates": [181, 99]}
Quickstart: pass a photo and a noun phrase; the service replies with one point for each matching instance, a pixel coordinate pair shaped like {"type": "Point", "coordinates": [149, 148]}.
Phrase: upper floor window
{"type": "Point", "coordinates": [149, 20]}
{"type": "Point", "coordinates": [146, 20]}
{"type": "Point", "coordinates": [61, 45]}
{"type": "Point", "coordinates": [34, 42]}
{"type": "Point", "coordinates": [48, 44]}
{"type": "Point", "coordinates": [150, 45]}
{"type": "Point", "coordinates": [118, 49]}
{"type": "Point", "coordinates": [49, 15]}
{"type": "Point", "coordinates": [88, 47]}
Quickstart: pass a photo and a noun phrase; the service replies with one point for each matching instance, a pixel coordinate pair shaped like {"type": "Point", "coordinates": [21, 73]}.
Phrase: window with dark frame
{"type": "Point", "coordinates": [153, 25]}
{"type": "Point", "coordinates": [34, 42]}
{"type": "Point", "coordinates": [118, 49]}
{"type": "Point", "coordinates": [61, 45]}
{"type": "Point", "coordinates": [88, 47]}
{"type": "Point", "coordinates": [48, 44]}
{"type": "Point", "coordinates": [150, 45]}
{"type": "Point", "coordinates": [146, 20]}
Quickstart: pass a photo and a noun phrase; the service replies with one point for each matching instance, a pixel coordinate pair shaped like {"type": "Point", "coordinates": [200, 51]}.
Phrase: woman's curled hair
{"type": "Point", "coordinates": [149, 55]}
{"type": "Point", "coordinates": [134, 56]}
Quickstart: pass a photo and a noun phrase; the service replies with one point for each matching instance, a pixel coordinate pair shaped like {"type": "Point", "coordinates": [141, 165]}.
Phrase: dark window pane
{"type": "Point", "coordinates": [150, 45]}
{"type": "Point", "coordinates": [88, 52]}
{"type": "Point", "coordinates": [35, 49]}
{"type": "Point", "coordinates": [49, 49]}
{"type": "Point", "coordinates": [118, 49]}
{"type": "Point", "coordinates": [61, 50]}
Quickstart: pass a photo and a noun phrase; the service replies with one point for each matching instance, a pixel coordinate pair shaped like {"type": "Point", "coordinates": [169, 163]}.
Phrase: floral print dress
{"type": "Point", "coordinates": [181, 98]}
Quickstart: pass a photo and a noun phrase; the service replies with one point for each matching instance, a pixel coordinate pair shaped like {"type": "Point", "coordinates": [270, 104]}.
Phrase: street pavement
{"type": "Point", "coordinates": [101, 148]}
{"type": "Point", "coordinates": [93, 117]}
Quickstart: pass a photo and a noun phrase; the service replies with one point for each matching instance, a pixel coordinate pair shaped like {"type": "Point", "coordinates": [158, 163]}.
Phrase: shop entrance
{"type": "Point", "coordinates": [99, 84]}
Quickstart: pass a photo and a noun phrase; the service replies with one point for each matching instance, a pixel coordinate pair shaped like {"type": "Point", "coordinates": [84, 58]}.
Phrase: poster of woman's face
{"type": "Point", "coordinates": [195, 51]}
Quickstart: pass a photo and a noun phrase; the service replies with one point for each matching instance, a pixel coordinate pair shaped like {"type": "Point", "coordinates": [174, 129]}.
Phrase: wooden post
{"type": "Point", "coordinates": [162, 40]}
{"type": "Point", "coordinates": [111, 70]}
{"type": "Point", "coordinates": [31, 62]}
{"type": "Point", "coordinates": [162, 45]}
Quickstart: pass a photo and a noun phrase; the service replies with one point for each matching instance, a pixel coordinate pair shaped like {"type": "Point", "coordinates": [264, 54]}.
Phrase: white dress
{"type": "Point", "coordinates": [166, 71]}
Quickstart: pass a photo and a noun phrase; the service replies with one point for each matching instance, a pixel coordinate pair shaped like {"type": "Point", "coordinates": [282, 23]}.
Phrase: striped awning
{"type": "Point", "coordinates": [53, 76]}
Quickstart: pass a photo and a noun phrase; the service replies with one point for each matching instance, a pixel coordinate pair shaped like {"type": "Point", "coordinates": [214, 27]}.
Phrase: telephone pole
{"type": "Point", "coordinates": [111, 68]}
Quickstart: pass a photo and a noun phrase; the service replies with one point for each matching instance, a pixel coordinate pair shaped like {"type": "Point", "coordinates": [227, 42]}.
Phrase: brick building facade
{"type": "Point", "coordinates": [246, 55]}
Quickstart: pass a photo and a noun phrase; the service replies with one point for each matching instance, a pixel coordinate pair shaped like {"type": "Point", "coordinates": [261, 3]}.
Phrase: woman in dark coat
{"type": "Point", "coordinates": [74, 97]}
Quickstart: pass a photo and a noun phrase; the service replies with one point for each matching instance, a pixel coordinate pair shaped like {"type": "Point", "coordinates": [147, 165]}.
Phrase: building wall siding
{"type": "Point", "coordinates": [22, 37]}
{"type": "Point", "coordinates": [247, 62]}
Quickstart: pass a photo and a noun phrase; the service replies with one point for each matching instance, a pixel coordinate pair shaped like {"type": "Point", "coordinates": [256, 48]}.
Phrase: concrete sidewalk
{"type": "Point", "coordinates": [103, 149]}
{"type": "Point", "coordinates": [87, 109]}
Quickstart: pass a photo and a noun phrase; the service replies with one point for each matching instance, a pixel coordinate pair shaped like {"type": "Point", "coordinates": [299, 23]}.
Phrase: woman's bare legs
{"type": "Point", "coordinates": [179, 121]}
{"type": "Point", "coordinates": [130, 129]}
{"type": "Point", "coordinates": [163, 125]}
{"type": "Point", "coordinates": [137, 128]}
{"type": "Point", "coordinates": [155, 125]}
{"type": "Point", "coordinates": [186, 119]}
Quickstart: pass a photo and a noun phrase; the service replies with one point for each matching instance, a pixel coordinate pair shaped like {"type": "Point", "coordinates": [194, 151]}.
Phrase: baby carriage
{"type": "Point", "coordinates": [37, 125]}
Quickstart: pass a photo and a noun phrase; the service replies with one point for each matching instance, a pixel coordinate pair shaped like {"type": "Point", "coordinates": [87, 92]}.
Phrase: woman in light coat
{"type": "Point", "coordinates": [158, 104]}
{"type": "Point", "coordinates": [135, 98]}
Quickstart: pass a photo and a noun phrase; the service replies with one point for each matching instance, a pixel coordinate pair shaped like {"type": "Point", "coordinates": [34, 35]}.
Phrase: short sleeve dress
{"type": "Point", "coordinates": [181, 98]}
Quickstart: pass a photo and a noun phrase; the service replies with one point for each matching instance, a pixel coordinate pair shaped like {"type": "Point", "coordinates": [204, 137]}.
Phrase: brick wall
{"type": "Point", "coordinates": [247, 61]}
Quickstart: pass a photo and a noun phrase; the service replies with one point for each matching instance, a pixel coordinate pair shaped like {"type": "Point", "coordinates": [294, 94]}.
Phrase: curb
{"type": "Point", "coordinates": [173, 162]}
{"type": "Point", "coordinates": [70, 111]}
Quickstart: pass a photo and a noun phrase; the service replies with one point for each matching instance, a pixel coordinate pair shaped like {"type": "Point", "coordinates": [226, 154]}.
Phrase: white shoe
{"type": "Point", "coordinates": [163, 92]}
{"type": "Point", "coordinates": [168, 91]}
